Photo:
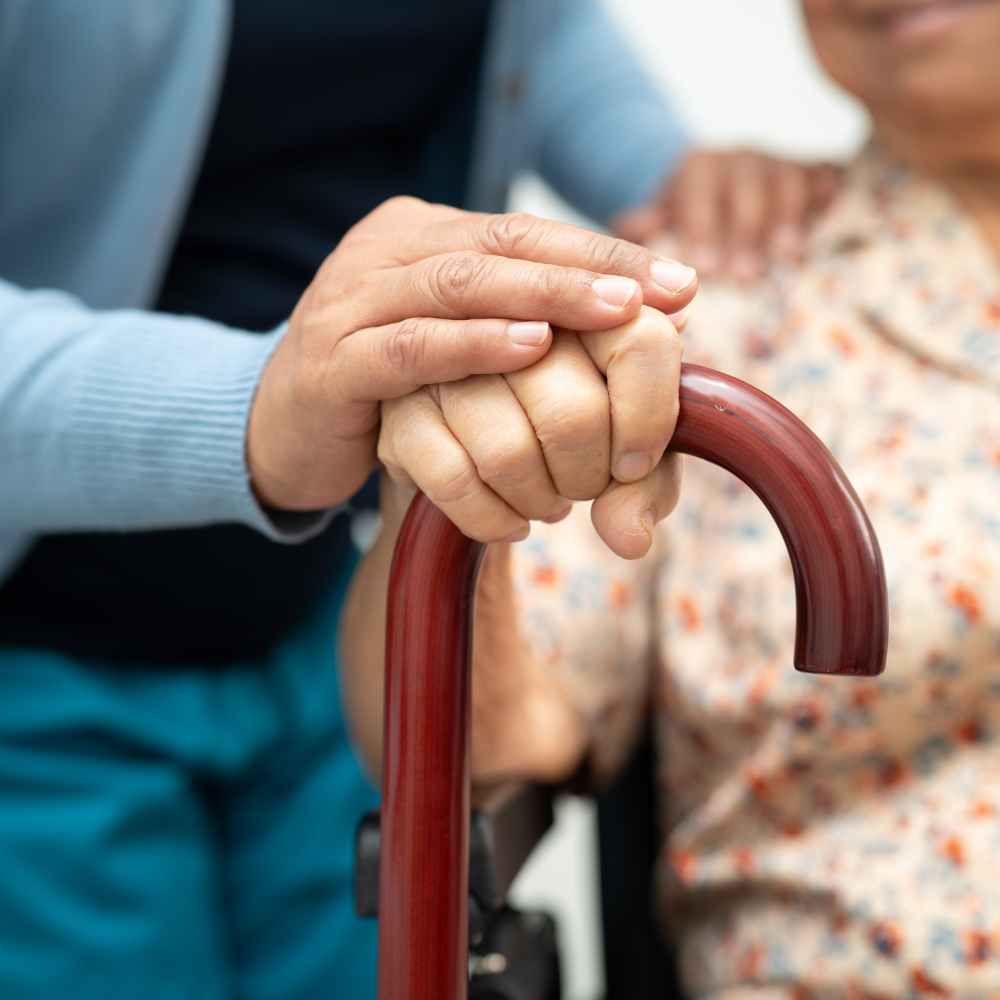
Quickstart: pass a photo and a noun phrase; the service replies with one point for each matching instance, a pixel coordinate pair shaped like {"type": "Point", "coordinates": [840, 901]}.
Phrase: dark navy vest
{"type": "Point", "coordinates": [328, 108]}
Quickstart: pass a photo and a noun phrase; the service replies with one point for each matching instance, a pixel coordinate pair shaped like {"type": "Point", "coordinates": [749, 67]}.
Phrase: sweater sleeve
{"type": "Point", "coordinates": [605, 136]}
{"type": "Point", "coordinates": [126, 420]}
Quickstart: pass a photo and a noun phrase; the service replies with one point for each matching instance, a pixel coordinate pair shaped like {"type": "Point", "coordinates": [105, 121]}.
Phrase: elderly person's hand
{"type": "Point", "coordinates": [591, 419]}
{"type": "Point", "coordinates": [731, 211]}
{"type": "Point", "coordinates": [420, 294]}
{"type": "Point", "coordinates": [493, 452]}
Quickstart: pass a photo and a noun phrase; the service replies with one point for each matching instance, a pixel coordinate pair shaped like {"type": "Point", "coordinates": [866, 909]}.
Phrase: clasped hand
{"type": "Point", "coordinates": [432, 301]}
{"type": "Point", "coordinates": [544, 370]}
{"type": "Point", "coordinates": [590, 420]}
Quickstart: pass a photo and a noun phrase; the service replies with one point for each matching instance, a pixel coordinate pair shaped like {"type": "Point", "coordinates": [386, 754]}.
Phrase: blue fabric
{"type": "Point", "coordinates": [287, 171]}
{"type": "Point", "coordinates": [563, 95]}
{"type": "Point", "coordinates": [605, 137]}
{"type": "Point", "coordinates": [104, 111]}
{"type": "Point", "coordinates": [109, 419]}
{"type": "Point", "coordinates": [173, 835]}
{"type": "Point", "coordinates": [285, 174]}
{"type": "Point", "coordinates": [181, 835]}
{"type": "Point", "coordinates": [122, 420]}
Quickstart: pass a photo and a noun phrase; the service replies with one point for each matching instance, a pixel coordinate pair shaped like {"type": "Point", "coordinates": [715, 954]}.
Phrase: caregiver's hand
{"type": "Point", "coordinates": [419, 294]}
{"type": "Point", "coordinates": [590, 419]}
{"type": "Point", "coordinates": [733, 211]}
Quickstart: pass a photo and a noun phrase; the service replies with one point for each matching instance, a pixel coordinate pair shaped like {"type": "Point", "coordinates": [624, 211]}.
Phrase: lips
{"type": "Point", "coordinates": [919, 21]}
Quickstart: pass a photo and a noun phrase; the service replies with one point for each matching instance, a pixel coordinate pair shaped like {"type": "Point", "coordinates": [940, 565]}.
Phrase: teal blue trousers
{"type": "Point", "coordinates": [181, 834]}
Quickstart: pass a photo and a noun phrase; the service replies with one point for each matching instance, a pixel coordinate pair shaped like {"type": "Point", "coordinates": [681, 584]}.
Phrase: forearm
{"type": "Point", "coordinates": [522, 724]}
{"type": "Point", "coordinates": [362, 639]}
{"type": "Point", "coordinates": [587, 616]}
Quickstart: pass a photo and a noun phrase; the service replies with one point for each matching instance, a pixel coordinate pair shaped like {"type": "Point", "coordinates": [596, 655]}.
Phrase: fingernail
{"type": "Point", "coordinates": [649, 522]}
{"type": "Point", "coordinates": [559, 517]}
{"type": "Point", "coordinates": [632, 467]}
{"type": "Point", "coordinates": [528, 334]}
{"type": "Point", "coordinates": [616, 292]}
{"type": "Point", "coordinates": [518, 536]}
{"type": "Point", "coordinates": [671, 275]}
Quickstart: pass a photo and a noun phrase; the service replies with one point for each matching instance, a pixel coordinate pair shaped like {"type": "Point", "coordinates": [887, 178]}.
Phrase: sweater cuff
{"type": "Point", "coordinates": [160, 416]}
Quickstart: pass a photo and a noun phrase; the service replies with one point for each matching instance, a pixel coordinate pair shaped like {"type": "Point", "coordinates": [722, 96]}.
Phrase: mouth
{"type": "Point", "coordinates": [921, 20]}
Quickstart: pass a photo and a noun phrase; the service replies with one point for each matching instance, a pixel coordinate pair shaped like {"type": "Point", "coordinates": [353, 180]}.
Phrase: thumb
{"type": "Point", "coordinates": [386, 362]}
{"type": "Point", "coordinates": [624, 514]}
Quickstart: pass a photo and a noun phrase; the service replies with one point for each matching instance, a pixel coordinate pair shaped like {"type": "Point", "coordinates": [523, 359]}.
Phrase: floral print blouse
{"type": "Point", "coordinates": [826, 836]}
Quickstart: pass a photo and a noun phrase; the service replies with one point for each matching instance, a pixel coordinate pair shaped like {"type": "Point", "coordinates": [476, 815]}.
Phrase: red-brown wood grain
{"type": "Point", "coordinates": [841, 628]}
{"type": "Point", "coordinates": [424, 862]}
{"type": "Point", "coordinates": [840, 593]}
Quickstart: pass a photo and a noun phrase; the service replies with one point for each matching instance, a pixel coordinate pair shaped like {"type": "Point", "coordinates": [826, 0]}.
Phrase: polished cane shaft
{"type": "Point", "coordinates": [424, 861]}
{"type": "Point", "coordinates": [841, 628]}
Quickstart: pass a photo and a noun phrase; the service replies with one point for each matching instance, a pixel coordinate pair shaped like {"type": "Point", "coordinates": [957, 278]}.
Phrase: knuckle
{"type": "Point", "coordinates": [564, 426]}
{"type": "Point", "coordinates": [402, 349]}
{"type": "Point", "coordinates": [547, 287]}
{"type": "Point", "coordinates": [656, 328]}
{"type": "Point", "coordinates": [454, 482]}
{"type": "Point", "coordinates": [608, 255]}
{"type": "Point", "coordinates": [454, 277]}
{"type": "Point", "coordinates": [793, 184]}
{"type": "Point", "coordinates": [331, 290]}
{"type": "Point", "coordinates": [748, 160]}
{"type": "Point", "coordinates": [394, 211]}
{"type": "Point", "coordinates": [360, 231]}
{"type": "Point", "coordinates": [398, 205]}
{"type": "Point", "coordinates": [650, 334]}
{"type": "Point", "coordinates": [507, 463]}
{"type": "Point", "coordinates": [513, 234]}
{"type": "Point", "coordinates": [361, 238]}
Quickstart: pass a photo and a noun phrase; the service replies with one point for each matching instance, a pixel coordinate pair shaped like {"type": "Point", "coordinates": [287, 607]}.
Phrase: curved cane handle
{"type": "Point", "coordinates": [842, 627]}
{"type": "Point", "coordinates": [841, 622]}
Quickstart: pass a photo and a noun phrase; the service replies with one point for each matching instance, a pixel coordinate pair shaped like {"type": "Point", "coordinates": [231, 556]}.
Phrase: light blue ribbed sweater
{"type": "Point", "coordinates": [112, 418]}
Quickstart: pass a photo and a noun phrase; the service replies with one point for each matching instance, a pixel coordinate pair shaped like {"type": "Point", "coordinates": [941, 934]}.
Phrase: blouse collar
{"type": "Point", "coordinates": [918, 268]}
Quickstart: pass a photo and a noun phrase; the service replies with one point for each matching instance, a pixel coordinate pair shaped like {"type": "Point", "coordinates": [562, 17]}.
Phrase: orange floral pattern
{"type": "Point", "coordinates": [826, 837]}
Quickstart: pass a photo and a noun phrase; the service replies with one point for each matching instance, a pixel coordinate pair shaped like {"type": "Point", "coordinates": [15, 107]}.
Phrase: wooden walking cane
{"type": "Point", "coordinates": [841, 628]}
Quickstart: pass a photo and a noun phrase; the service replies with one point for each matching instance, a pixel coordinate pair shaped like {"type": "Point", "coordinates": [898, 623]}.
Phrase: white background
{"type": "Point", "coordinates": [739, 72]}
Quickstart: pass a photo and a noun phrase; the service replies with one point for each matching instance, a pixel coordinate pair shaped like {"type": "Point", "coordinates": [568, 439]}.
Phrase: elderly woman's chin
{"type": "Point", "coordinates": [928, 70]}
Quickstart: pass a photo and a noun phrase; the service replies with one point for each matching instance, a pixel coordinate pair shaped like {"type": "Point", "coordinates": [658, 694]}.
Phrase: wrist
{"type": "Point", "coordinates": [302, 452]}
{"type": "Point", "coordinates": [523, 723]}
